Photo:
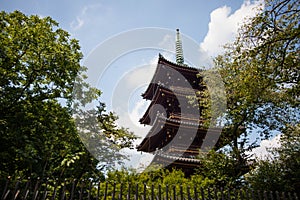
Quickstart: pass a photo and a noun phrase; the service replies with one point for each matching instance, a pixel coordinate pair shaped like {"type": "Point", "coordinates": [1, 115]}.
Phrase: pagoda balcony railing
{"type": "Point", "coordinates": [186, 117]}
{"type": "Point", "coordinates": [184, 90]}
{"type": "Point", "coordinates": [186, 121]}
{"type": "Point", "coordinates": [183, 150]}
{"type": "Point", "coordinates": [177, 157]}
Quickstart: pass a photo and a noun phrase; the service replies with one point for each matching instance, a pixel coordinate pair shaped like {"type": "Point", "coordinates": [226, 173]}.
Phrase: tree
{"type": "Point", "coordinates": [40, 66]}
{"type": "Point", "coordinates": [101, 135]}
{"type": "Point", "coordinates": [282, 173]}
{"type": "Point", "coordinates": [220, 169]}
{"type": "Point", "coordinates": [261, 73]}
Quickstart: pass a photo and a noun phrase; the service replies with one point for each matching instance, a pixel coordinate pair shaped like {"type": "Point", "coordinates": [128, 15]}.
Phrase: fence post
{"type": "Point", "coordinates": [295, 196]}
{"type": "Point", "coordinates": [159, 192]}
{"type": "Point", "coordinates": [63, 191]}
{"type": "Point", "coordinates": [259, 195]}
{"type": "Point", "coordinates": [216, 193]}
{"type": "Point", "coordinates": [265, 195]}
{"type": "Point", "coordinates": [145, 192]}
{"type": "Point", "coordinates": [181, 192]}
{"type": "Point", "coordinates": [271, 195]}
{"type": "Point", "coordinates": [247, 194]}
{"type": "Point", "coordinates": [283, 196]}
{"type": "Point", "coordinates": [222, 193]}
{"type": "Point", "coordinates": [228, 196]}
{"type": "Point", "coordinates": [152, 192]}
{"type": "Point", "coordinates": [72, 189]}
{"type": "Point", "coordinates": [98, 190]}
{"type": "Point", "coordinates": [128, 191]}
{"type": "Point", "coordinates": [241, 192]}
{"type": "Point", "coordinates": [195, 192]}
{"type": "Point", "coordinates": [208, 190]}
{"type": "Point", "coordinates": [90, 188]}
{"type": "Point", "coordinates": [174, 192]}
{"type": "Point", "coordinates": [16, 191]}
{"type": "Point", "coordinates": [54, 191]}
{"type": "Point", "coordinates": [114, 191]}
{"type": "Point", "coordinates": [167, 192]}
{"type": "Point", "coordinates": [121, 191]}
{"type": "Point", "coordinates": [4, 195]}
{"type": "Point", "coordinates": [188, 192]}
{"type": "Point", "coordinates": [235, 194]}
{"type": "Point", "coordinates": [105, 190]}
{"type": "Point", "coordinates": [45, 190]}
{"type": "Point", "coordinates": [136, 192]}
{"type": "Point", "coordinates": [26, 191]}
{"type": "Point", "coordinates": [252, 195]}
{"type": "Point", "coordinates": [81, 189]}
{"type": "Point", "coordinates": [202, 194]}
{"type": "Point", "coordinates": [290, 195]}
{"type": "Point", "coordinates": [277, 195]}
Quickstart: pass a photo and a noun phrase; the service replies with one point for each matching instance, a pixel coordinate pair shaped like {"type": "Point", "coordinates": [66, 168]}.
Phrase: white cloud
{"type": "Point", "coordinates": [223, 26]}
{"type": "Point", "coordinates": [137, 160]}
{"type": "Point", "coordinates": [140, 76]}
{"type": "Point", "coordinates": [131, 82]}
{"type": "Point", "coordinates": [77, 24]}
{"type": "Point", "coordinates": [168, 42]}
{"type": "Point", "coordinates": [87, 14]}
{"type": "Point", "coordinates": [138, 111]}
{"type": "Point", "coordinates": [262, 152]}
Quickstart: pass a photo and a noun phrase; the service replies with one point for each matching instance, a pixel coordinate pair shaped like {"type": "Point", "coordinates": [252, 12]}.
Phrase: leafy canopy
{"type": "Point", "coordinates": [261, 71]}
{"type": "Point", "coordinates": [40, 65]}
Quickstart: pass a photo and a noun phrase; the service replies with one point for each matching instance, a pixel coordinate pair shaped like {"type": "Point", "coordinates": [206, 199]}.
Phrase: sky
{"type": "Point", "coordinates": [120, 40]}
{"type": "Point", "coordinates": [93, 21]}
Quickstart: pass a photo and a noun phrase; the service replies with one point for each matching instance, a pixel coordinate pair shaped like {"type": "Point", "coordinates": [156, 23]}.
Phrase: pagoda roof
{"type": "Point", "coordinates": [187, 165]}
{"type": "Point", "coordinates": [177, 158]}
{"type": "Point", "coordinates": [182, 67]}
{"type": "Point", "coordinates": [158, 98]}
{"type": "Point", "coordinates": [157, 133]}
{"type": "Point", "coordinates": [190, 73]}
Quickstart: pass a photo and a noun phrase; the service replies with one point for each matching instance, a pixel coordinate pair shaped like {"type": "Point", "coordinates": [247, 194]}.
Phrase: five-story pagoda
{"type": "Point", "coordinates": [177, 132]}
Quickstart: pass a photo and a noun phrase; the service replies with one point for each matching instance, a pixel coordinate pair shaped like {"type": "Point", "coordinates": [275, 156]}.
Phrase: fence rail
{"type": "Point", "coordinates": [72, 189]}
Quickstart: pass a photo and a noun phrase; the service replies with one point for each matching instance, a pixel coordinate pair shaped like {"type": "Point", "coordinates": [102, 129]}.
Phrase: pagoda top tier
{"type": "Point", "coordinates": [169, 74]}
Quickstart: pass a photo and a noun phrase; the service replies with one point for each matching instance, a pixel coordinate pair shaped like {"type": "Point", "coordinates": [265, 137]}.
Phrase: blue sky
{"type": "Point", "coordinates": [94, 21]}
{"type": "Point", "coordinates": [208, 24]}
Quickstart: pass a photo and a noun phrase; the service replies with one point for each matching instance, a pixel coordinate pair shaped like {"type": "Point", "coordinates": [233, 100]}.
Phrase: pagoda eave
{"type": "Point", "coordinates": [187, 165]}
{"type": "Point", "coordinates": [155, 137]}
{"type": "Point", "coordinates": [161, 97]}
{"type": "Point", "coordinates": [189, 73]}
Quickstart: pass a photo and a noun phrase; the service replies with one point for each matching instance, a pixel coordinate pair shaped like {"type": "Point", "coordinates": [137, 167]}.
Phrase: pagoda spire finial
{"type": "Point", "coordinates": [179, 51]}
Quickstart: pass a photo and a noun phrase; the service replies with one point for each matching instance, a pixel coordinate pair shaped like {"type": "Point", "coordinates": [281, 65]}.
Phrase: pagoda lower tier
{"type": "Point", "coordinates": [178, 136]}
{"type": "Point", "coordinates": [169, 101]}
{"type": "Point", "coordinates": [187, 165]}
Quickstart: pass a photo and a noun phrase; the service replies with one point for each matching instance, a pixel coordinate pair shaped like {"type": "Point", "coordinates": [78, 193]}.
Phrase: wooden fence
{"type": "Point", "coordinates": [73, 189]}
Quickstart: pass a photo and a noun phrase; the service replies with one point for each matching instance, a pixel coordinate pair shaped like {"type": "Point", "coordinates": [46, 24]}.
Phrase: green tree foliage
{"type": "Point", "coordinates": [261, 72]}
{"type": "Point", "coordinates": [160, 179]}
{"type": "Point", "coordinates": [217, 171]}
{"type": "Point", "coordinates": [40, 65]}
{"type": "Point", "coordinates": [220, 170]}
{"type": "Point", "coordinates": [101, 135]}
{"type": "Point", "coordinates": [281, 173]}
